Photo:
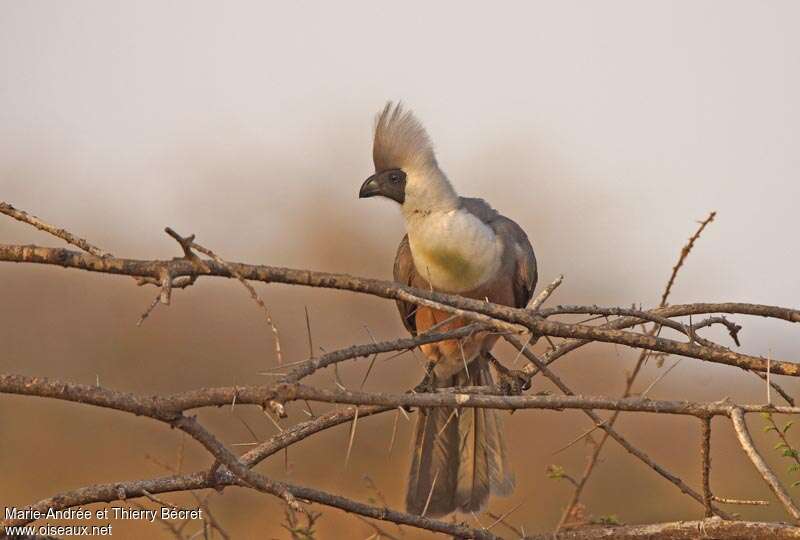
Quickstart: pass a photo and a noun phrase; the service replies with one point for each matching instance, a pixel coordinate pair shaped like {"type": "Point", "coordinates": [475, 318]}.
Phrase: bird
{"type": "Point", "coordinates": [463, 246]}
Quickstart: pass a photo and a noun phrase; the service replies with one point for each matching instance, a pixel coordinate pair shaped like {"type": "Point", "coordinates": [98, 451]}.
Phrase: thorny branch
{"type": "Point", "coordinates": [609, 430]}
{"type": "Point", "coordinates": [536, 320]}
{"type": "Point", "coordinates": [67, 236]}
{"type": "Point", "coordinates": [631, 378]}
{"type": "Point", "coordinates": [499, 317]}
{"type": "Point", "coordinates": [705, 457]}
{"type": "Point", "coordinates": [761, 466]}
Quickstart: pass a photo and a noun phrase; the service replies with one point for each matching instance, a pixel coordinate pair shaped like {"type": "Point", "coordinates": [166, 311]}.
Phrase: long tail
{"type": "Point", "coordinates": [459, 455]}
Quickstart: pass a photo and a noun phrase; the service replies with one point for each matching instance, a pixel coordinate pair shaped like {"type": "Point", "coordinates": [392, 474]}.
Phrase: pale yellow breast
{"type": "Point", "coordinates": [455, 252]}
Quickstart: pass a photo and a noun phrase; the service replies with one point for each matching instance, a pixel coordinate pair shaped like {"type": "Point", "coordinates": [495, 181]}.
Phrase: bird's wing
{"type": "Point", "coordinates": [406, 273]}
{"type": "Point", "coordinates": [521, 260]}
{"type": "Point", "coordinates": [480, 209]}
{"type": "Point", "coordinates": [524, 261]}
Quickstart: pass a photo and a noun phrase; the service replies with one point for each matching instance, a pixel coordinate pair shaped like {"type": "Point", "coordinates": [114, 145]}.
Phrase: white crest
{"type": "Point", "coordinates": [400, 141]}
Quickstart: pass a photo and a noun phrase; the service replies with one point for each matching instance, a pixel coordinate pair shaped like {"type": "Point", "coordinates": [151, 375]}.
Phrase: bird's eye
{"type": "Point", "coordinates": [394, 177]}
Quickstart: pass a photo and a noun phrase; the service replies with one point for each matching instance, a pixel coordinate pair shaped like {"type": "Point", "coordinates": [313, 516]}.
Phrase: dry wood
{"type": "Point", "coordinates": [228, 469]}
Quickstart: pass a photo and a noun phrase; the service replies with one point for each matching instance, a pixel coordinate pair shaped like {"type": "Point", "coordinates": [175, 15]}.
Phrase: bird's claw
{"type": "Point", "coordinates": [426, 386]}
{"type": "Point", "coordinates": [514, 382]}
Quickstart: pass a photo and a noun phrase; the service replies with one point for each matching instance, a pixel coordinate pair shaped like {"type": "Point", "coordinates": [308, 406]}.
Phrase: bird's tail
{"type": "Point", "coordinates": [459, 455]}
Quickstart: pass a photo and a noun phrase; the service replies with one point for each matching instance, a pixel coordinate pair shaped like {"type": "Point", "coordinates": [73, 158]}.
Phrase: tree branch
{"type": "Point", "coordinates": [680, 530]}
{"type": "Point", "coordinates": [497, 316]}
{"type": "Point", "coordinates": [761, 466]}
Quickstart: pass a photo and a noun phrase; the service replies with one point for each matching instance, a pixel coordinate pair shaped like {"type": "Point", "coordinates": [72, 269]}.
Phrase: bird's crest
{"type": "Point", "coordinates": [400, 141]}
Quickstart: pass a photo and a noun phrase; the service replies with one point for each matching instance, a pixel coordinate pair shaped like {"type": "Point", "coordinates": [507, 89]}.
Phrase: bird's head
{"type": "Point", "coordinates": [390, 183]}
{"type": "Point", "coordinates": [406, 170]}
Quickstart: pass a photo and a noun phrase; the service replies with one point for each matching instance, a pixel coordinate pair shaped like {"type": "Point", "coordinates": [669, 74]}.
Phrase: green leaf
{"type": "Point", "coordinates": [609, 520]}
{"type": "Point", "coordinates": [767, 429]}
{"type": "Point", "coordinates": [794, 468]}
{"type": "Point", "coordinates": [555, 471]}
{"type": "Point", "coordinates": [787, 426]}
{"type": "Point", "coordinates": [796, 483]}
{"type": "Point", "coordinates": [779, 445]}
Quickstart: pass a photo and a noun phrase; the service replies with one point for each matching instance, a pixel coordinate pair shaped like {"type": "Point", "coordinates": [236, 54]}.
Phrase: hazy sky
{"type": "Point", "coordinates": [606, 129]}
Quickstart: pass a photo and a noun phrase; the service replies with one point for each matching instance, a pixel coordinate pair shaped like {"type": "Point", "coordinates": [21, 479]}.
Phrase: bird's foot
{"type": "Point", "coordinates": [426, 386]}
{"type": "Point", "coordinates": [512, 381]}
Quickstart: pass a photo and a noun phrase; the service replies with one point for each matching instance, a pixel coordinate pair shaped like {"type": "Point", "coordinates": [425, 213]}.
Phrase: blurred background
{"type": "Point", "coordinates": [607, 130]}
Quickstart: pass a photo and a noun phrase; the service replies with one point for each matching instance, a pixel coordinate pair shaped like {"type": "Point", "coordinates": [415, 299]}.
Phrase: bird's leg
{"type": "Point", "coordinates": [512, 381]}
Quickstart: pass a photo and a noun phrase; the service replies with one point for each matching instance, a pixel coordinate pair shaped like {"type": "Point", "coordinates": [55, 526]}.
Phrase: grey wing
{"type": "Point", "coordinates": [517, 246]}
{"type": "Point", "coordinates": [524, 261]}
{"type": "Point", "coordinates": [480, 209]}
{"type": "Point", "coordinates": [405, 273]}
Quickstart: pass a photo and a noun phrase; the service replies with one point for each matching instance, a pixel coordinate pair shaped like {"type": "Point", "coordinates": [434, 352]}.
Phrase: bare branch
{"type": "Point", "coordinates": [169, 408]}
{"type": "Point", "coordinates": [705, 456]}
{"type": "Point", "coordinates": [680, 530]}
{"type": "Point", "coordinates": [544, 294]}
{"type": "Point", "coordinates": [606, 426]}
{"type": "Point", "coordinates": [68, 237]}
{"type": "Point", "coordinates": [253, 294]}
{"type": "Point", "coordinates": [228, 469]}
{"type": "Point", "coordinates": [494, 315]}
{"type": "Point", "coordinates": [685, 253]}
{"type": "Point", "coordinates": [761, 466]}
{"type": "Point", "coordinates": [725, 500]}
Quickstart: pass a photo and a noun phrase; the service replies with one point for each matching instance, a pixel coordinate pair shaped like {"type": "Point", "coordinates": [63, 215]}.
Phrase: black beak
{"type": "Point", "coordinates": [370, 187]}
{"type": "Point", "coordinates": [390, 183]}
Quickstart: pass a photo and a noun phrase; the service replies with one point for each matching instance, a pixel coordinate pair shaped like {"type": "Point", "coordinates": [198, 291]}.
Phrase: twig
{"type": "Point", "coordinates": [769, 386]}
{"type": "Point", "coordinates": [705, 457]}
{"type": "Point", "coordinates": [504, 523]}
{"type": "Point", "coordinates": [231, 470]}
{"type": "Point", "coordinates": [212, 520]}
{"type": "Point", "coordinates": [737, 417]}
{"type": "Point", "coordinates": [544, 294]}
{"type": "Point", "coordinates": [379, 531]}
{"type": "Point", "coordinates": [173, 530]}
{"type": "Point", "coordinates": [352, 438]}
{"type": "Point", "coordinates": [680, 530]}
{"type": "Point", "coordinates": [308, 330]}
{"type": "Point", "coordinates": [430, 494]}
{"type": "Point", "coordinates": [607, 426]}
{"type": "Point", "coordinates": [579, 437]}
{"type": "Point", "coordinates": [148, 311]}
{"type": "Point", "coordinates": [394, 431]}
{"type": "Point", "coordinates": [91, 394]}
{"type": "Point", "coordinates": [165, 408]}
{"type": "Point", "coordinates": [505, 515]}
{"type": "Point", "coordinates": [161, 501]}
{"type": "Point", "coordinates": [685, 253]}
{"type": "Point", "coordinates": [661, 376]}
{"type": "Point", "coordinates": [643, 355]}
{"type": "Point", "coordinates": [253, 294]}
{"type": "Point", "coordinates": [371, 360]}
{"type": "Point", "coordinates": [307, 367]}
{"type": "Point", "coordinates": [775, 386]}
{"type": "Point", "coordinates": [496, 316]}
{"type": "Point", "coordinates": [68, 237]}
{"type": "Point", "coordinates": [725, 500]}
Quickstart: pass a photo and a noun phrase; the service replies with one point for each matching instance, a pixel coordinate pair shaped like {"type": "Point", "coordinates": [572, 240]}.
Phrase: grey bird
{"type": "Point", "coordinates": [454, 245]}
